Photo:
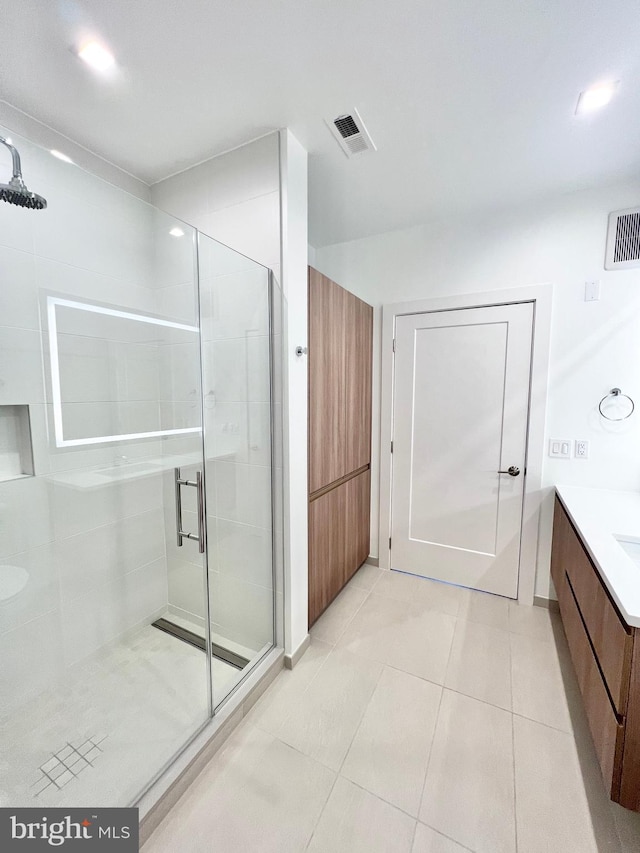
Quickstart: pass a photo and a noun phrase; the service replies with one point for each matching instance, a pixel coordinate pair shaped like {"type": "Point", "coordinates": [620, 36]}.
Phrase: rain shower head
{"type": "Point", "coordinates": [15, 192]}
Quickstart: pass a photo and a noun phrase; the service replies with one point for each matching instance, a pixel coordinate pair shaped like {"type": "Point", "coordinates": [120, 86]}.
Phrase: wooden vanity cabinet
{"type": "Point", "coordinates": [605, 652]}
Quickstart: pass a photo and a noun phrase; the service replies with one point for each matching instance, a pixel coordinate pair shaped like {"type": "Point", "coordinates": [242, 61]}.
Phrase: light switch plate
{"type": "Point", "coordinates": [560, 448]}
{"type": "Point", "coordinates": [591, 291]}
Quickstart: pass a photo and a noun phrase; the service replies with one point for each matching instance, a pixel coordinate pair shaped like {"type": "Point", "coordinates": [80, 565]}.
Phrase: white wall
{"type": "Point", "coordinates": [595, 345]}
{"type": "Point", "coordinates": [295, 294]}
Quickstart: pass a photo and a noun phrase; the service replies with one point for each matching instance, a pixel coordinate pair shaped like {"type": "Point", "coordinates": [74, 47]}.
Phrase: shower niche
{"type": "Point", "coordinates": [16, 453]}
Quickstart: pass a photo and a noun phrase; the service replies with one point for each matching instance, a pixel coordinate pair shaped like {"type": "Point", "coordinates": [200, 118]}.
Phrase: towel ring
{"type": "Point", "coordinates": [616, 392]}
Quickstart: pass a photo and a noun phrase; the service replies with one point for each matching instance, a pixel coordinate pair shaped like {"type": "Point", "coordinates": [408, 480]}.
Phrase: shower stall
{"type": "Point", "coordinates": [140, 462]}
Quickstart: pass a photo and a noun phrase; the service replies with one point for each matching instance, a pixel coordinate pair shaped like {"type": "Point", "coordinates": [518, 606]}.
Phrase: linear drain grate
{"type": "Point", "coordinates": [220, 652]}
{"type": "Point", "coordinates": [67, 763]}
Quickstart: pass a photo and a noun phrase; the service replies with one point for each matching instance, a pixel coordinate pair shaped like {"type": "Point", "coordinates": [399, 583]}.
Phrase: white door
{"type": "Point", "coordinates": [461, 400]}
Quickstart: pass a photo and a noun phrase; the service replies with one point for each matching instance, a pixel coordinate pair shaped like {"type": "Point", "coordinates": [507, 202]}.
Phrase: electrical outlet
{"type": "Point", "coordinates": [560, 448]}
{"type": "Point", "coordinates": [581, 449]}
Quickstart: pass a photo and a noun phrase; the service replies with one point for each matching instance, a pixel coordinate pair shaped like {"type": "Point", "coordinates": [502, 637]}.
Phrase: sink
{"type": "Point", "coordinates": [630, 546]}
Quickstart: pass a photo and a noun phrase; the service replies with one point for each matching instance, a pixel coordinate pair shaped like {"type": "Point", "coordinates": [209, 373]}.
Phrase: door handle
{"type": "Point", "coordinates": [513, 471]}
{"type": "Point", "coordinates": [180, 533]}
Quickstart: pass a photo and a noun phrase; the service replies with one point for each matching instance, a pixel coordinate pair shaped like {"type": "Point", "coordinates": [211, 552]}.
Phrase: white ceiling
{"type": "Point", "coordinates": [471, 104]}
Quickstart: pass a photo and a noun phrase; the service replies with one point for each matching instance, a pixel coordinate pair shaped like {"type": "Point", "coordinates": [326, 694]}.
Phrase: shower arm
{"type": "Point", "coordinates": [15, 157]}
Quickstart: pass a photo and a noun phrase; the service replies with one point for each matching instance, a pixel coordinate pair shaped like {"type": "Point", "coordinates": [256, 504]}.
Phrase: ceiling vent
{"type": "Point", "coordinates": [623, 240]}
{"type": "Point", "coordinates": [351, 133]}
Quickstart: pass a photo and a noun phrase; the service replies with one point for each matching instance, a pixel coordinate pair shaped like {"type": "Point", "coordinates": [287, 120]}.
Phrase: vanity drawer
{"type": "Point", "coordinates": [607, 733]}
{"type": "Point", "coordinates": [562, 534]}
{"type": "Point", "coordinates": [610, 637]}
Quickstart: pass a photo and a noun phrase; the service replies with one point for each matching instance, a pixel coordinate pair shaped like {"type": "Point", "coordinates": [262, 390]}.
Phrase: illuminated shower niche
{"type": "Point", "coordinates": [109, 374]}
{"type": "Point", "coordinates": [16, 455]}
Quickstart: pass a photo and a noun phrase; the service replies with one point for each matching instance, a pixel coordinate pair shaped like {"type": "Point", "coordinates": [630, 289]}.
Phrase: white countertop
{"type": "Point", "coordinates": [600, 515]}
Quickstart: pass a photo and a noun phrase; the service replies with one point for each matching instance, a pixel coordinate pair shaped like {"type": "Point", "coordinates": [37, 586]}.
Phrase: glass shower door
{"type": "Point", "coordinates": [235, 294]}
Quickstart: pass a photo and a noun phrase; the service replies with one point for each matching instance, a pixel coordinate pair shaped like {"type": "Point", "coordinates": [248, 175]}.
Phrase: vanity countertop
{"type": "Point", "coordinates": [601, 517]}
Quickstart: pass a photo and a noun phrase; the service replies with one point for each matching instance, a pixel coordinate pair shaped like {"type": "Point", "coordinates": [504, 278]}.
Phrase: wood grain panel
{"type": "Point", "coordinates": [340, 363]}
{"type": "Point", "coordinates": [358, 364]}
{"type": "Point", "coordinates": [327, 391]}
{"type": "Point", "coordinates": [358, 498]}
{"type": "Point", "coordinates": [327, 553]}
{"type": "Point", "coordinates": [607, 733]}
{"type": "Point", "coordinates": [610, 636]}
{"type": "Point", "coordinates": [630, 781]}
{"type": "Point", "coordinates": [562, 532]}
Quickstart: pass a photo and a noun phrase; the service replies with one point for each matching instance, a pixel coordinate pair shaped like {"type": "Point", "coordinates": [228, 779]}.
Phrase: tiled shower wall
{"type": "Point", "coordinates": [94, 550]}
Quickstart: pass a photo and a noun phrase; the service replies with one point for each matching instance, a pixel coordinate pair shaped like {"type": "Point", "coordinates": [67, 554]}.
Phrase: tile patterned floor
{"type": "Point", "coordinates": [146, 693]}
{"type": "Point", "coordinates": [422, 719]}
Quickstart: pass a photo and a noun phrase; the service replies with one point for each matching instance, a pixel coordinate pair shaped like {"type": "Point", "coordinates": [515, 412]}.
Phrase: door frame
{"type": "Point", "coordinates": [541, 296]}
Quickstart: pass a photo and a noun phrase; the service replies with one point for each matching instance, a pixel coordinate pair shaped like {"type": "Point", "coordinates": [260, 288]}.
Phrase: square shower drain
{"type": "Point", "coordinates": [67, 763]}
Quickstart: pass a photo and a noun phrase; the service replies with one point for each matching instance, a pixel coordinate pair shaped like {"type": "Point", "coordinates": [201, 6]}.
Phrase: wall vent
{"type": "Point", "coordinates": [351, 134]}
{"type": "Point", "coordinates": [623, 240]}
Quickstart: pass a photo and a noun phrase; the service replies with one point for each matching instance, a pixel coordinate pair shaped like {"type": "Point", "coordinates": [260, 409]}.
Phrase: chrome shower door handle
{"type": "Point", "coordinates": [197, 484]}
{"type": "Point", "coordinates": [513, 471]}
{"type": "Point", "coordinates": [178, 499]}
{"type": "Point", "coordinates": [201, 519]}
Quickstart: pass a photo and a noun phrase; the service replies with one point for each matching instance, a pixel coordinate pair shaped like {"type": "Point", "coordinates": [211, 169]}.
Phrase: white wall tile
{"type": "Point", "coordinates": [76, 509]}
{"type": "Point", "coordinates": [26, 517]}
{"type": "Point", "coordinates": [92, 238]}
{"type": "Point", "coordinates": [245, 173]}
{"type": "Point", "coordinates": [186, 587]}
{"type": "Point", "coordinates": [17, 225]}
{"type": "Point", "coordinates": [243, 493]}
{"type": "Point", "coordinates": [181, 415]}
{"type": "Point", "coordinates": [99, 616]}
{"type": "Point", "coordinates": [251, 228]}
{"type": "Point", "coordinates": [30, 659]}
{"type": "Point", "coordinates": [39, 595]}
{"type": "Point", "coordinates": [103, 419]}
{"type": "Point", "coordinates": [242, 611]}
{"type": "Point", "coordinates": [245, 552]}
{"type": "Point", "coordinates": [20, 366]}
{"type": "Point", "coordinates": [85, 369]}
{"type": "Point", "coordinates": [236, 304]}
{"type": "Point", "coordinates": [18, 298]}
{"type": "Point", "coordinates": [105, 553]}
{"type": "Point", "coordinates": [178, 303]}
{"type": "Point", "coordinates": [174, 257]}
{"type": "Point", "coordinates": [180, 372]}
{"type": "Point", "coordinates": [61, 278]}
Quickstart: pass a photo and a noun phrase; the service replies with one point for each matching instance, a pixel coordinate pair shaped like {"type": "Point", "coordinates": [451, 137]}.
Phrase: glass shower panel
{"type": "Point", "coordinates": [100, 402]}
{"type": "Point", "coordinates": [235, 295]}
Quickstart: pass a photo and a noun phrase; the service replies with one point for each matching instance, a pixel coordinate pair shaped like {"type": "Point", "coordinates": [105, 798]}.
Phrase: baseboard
{"type": "Point", "coordinates": [547, 603]}
{"type": "Point", "coordinates": [373, 561]}
{"type": "Point", "coordinates": [291, 660]}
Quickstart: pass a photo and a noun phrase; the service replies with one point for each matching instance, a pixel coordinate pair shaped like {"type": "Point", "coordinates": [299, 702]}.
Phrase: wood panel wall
{"type": "Point", "coordinates": [327, 388]}
{"type": "Point", "coordinates": [340, 360]}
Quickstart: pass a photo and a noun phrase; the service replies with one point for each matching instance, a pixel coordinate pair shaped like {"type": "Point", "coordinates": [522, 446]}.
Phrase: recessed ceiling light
{"type": "Point", "coordinates": [96, 56]}
{"type": "Point", "coordinates": [176, 232]}
{"type": "Point", "coordinates": [595, 97]}
{"type": "Point", "coordinates": [61, 156]}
